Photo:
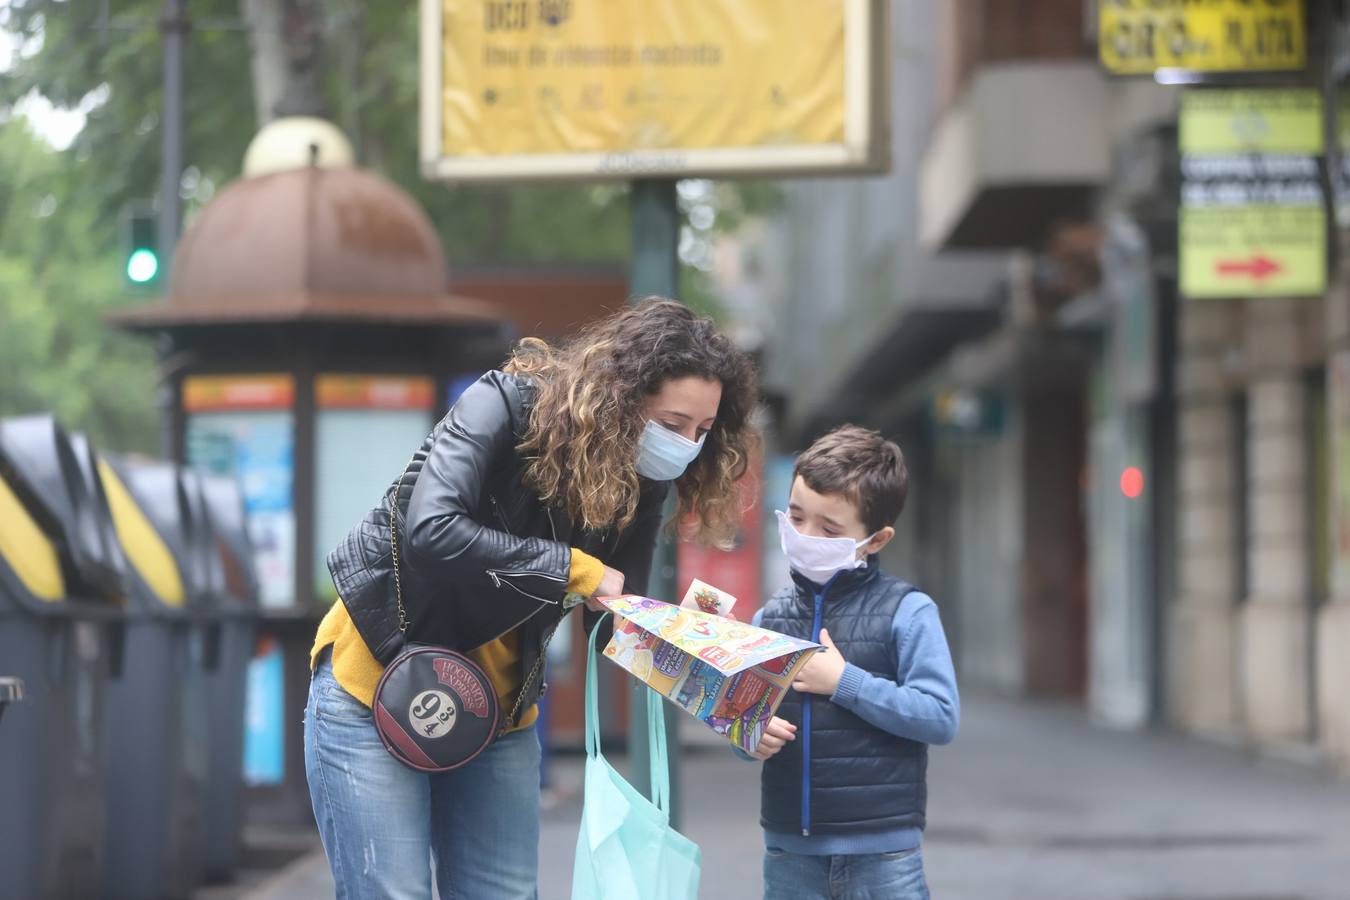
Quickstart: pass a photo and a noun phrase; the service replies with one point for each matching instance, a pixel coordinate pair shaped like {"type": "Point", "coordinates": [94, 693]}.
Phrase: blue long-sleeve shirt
{"type": "Point", "coordinates": [922, 704]}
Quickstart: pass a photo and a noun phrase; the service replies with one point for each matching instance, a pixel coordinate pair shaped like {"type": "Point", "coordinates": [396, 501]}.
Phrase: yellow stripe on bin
{"type": "Point", "coordinates": [27, 550]}
{"type": "Point", "coordinates": [146, 550]}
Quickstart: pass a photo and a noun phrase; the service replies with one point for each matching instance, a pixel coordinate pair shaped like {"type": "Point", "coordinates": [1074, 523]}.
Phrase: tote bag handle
{"type": "Point", "coordinates": [658, 759]}
{"type": "Point", "coordinates": [656, 743]}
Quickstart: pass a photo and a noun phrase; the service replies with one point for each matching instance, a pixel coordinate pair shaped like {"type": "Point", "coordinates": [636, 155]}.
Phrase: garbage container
{"type": "Point", "coordinates": [157, 729]}
{"type": "Point", "coordinates": [226, 578]}
{"type": "Point", "coordinates": [58, 605]}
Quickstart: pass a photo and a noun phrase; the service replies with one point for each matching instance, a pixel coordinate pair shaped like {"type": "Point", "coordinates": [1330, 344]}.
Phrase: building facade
{"type": "Point", "coordinates": [1120, 496]}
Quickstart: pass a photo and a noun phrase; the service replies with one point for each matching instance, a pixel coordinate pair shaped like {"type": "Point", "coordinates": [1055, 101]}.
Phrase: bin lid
{"type": "Point", "coordinates": [30, 567]}
{"type": "Point", "coordinates": [205, 570]}
{"type": "Point", "coordinates": [42, 468]}
{"type": "Point", "coordinates": [152, 552]}
{"type": "Point", "coordinates": [224, 500]}
{"type": "Point", "coordinates": [86, 457]}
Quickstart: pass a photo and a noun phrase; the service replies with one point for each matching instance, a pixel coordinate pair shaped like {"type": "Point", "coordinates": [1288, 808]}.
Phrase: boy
{"type": "Point", "coordinates": [843, 790]}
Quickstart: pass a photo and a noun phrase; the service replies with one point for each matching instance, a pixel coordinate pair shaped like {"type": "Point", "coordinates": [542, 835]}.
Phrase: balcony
{"type": "Point", "coordinates": [1026, 145]}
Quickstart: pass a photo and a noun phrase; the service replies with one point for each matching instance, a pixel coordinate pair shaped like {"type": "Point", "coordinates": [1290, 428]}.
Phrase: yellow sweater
{"type": "Point", "coordinates": [359, 672]}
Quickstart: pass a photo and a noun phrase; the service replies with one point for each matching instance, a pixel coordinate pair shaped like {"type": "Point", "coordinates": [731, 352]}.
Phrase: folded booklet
{"type": "Point", "coordinates": [728, 674]}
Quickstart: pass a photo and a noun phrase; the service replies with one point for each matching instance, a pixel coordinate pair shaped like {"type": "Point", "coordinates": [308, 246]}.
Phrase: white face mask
{"type": "Point", "coordinates": [663, 455]}
{"type": "Point", "coordinates": [818, 558]}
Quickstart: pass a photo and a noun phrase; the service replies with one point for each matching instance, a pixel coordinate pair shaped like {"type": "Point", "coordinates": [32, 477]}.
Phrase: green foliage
{"type": "Point", "coordinates": [117, 154]}
{"type": "Point", "coordinates": [57, 353]}
{"type": "Point", "coordinates": [60, 256]}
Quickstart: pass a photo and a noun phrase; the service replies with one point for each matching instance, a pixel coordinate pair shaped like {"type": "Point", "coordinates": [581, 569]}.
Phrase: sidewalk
{"type": "Point", "coordinates": [1030, 802]}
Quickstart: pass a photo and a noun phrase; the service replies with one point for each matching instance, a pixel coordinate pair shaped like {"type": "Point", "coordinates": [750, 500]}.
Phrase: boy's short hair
{"type": "Point", "coordinates": [861, 465]}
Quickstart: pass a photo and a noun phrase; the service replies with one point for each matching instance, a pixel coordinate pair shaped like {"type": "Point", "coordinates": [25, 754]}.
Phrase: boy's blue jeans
{"type": "Point", "coordinates": [383, 824]}
{"type": "Point", "coordinates": [879, 876]}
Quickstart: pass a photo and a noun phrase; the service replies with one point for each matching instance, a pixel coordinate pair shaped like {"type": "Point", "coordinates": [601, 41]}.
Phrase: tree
{"type": "Point", "coordinates": [362, 56]}
{"type": "Point", "coordinates": [246, 61]}
{"type": "Point", "coordinates": [57, 353]}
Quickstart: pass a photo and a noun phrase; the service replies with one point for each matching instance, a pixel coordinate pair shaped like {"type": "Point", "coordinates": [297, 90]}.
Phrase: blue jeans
{"type": "Point", "coordinates": [878, 876]}
{"type": "Point", "coordinates": [385, 826]}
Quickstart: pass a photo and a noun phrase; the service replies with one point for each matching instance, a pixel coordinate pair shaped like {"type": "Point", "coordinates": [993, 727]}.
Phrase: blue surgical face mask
{"type": "Point", "coordinates": [663, 455]}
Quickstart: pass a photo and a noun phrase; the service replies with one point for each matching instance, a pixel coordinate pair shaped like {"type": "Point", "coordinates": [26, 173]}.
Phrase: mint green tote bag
{"type": "Point", "coordinates": [626, 849]}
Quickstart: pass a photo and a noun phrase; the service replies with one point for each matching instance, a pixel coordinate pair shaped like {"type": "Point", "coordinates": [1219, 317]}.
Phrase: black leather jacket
{"type": "Point", "coordinates": [479, 553]}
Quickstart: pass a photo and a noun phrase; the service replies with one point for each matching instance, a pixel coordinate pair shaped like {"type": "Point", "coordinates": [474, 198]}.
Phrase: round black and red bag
{"type": "Point", "coordinates": [435, 709]}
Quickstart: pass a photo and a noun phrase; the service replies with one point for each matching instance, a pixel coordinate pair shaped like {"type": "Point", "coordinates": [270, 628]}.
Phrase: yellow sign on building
{"type": "Point", "coordinates": [1139, 37]}
{"type": "Point", "coordinates": [591, 88]}
{"type": "Point", "coordinates": [1253, 219]}
{"type": "Point", "coordinates": [1253, 251]}
{"type": "Point", "coordinates": [1257, 120]}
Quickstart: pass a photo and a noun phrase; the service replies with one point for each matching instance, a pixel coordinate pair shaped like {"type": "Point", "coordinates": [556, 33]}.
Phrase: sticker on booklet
{"type": "Point", "coordinates": [706, 598]}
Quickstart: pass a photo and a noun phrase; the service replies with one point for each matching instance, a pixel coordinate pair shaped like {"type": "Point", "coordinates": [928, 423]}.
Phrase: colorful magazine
{"type": "Point", "coordinates": [730, 675]}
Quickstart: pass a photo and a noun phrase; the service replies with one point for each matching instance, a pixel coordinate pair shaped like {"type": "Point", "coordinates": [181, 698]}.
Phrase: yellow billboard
{"type": "Point", "coordinates": [517, 89]}
{"type": "Point", "coordinates": [1140, 37]}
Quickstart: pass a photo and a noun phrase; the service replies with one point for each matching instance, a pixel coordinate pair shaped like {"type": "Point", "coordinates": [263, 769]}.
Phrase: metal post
{"type": "Point", "coordinates": [655, 271]}
{"type": "Point", "coordinates": [173, 28]}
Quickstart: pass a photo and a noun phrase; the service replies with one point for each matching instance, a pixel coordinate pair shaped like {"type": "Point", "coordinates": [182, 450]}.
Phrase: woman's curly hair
{"type": "Point", "coordinates": [583, 432]}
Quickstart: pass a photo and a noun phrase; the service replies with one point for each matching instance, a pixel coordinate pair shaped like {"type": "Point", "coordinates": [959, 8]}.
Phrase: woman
{"type": "Point", "coordinates": [543, 486]}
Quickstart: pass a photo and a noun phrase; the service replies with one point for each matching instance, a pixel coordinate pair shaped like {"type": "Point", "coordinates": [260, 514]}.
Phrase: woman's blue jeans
{"type": "Point", "coordinates": [386, 827]}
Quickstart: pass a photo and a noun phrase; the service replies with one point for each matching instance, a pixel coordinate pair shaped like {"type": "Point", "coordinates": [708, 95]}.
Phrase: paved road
{"type": "Point", "coordinates": [1031, 803]}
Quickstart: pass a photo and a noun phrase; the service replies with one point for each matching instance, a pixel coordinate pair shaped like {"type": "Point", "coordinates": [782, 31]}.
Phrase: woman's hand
{"type": "Point", "coordinates": [611, 585]}
{"type": "Point", "coordinates": [775, 737]}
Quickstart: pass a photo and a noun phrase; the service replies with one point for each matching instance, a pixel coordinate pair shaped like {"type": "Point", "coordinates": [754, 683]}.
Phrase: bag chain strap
{"type": "Point", "coordinates": [511, 721]}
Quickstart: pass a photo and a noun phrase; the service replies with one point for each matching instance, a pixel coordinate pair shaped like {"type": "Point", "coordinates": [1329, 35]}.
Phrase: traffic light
{"type": "Point", "coordinates": [141, 260]}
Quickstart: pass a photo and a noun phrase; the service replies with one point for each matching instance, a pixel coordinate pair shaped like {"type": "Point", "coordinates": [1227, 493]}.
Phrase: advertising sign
{"type": "Point", "coordinates": [242, 426]}
{"type": "Point", "coordinates": [960, 413]}
{"type": "Point", "coordinates": [1253, 222]}
{"type": "Point", "coordinates": [1139, 37]}
{"type": "Point", "coordinates": [515, 89]}
{"type": "Point", "coordinates": [365, 429]}
{"type": "Point", "coordinates": [737, 568]}
{"type": "Point", "coordinates": [265, 716]}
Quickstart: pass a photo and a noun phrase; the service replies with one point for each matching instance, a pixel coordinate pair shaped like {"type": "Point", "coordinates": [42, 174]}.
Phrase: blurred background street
{"type": "Point", "coordinates": [1084, 260]}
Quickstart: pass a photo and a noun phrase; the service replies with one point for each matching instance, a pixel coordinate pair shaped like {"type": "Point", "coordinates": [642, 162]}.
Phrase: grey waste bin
{"type": "Point", "coordinates": [224, 576]}
{"type": "Point", "coordinates": [57, 608]}
{"type": "Point", "coordinates": [157, 695]}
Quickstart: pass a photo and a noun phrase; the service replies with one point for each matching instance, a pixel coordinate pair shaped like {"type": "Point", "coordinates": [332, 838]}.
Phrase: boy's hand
{"type": "Point", "coordinates": [822, 671]}
{"type": "Point", "coordinates": [776, 735]}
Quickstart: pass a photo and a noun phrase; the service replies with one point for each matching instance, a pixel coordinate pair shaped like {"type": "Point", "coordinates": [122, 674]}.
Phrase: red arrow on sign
{"type": "Point", "coordinates": [1257, 268]}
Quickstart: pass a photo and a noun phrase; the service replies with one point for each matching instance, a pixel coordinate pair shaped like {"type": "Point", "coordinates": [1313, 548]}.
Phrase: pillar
{"type": "Point", "coordinates": [1199, 632]}
{"type": "Point", "coordinates": [1333, 619]}
{"type": "Point", "coordinates": [1275, 625]}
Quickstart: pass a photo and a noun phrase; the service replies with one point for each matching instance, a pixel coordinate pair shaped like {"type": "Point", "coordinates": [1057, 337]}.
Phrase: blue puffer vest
{"type": "Point", "coordinates": [857, 778]}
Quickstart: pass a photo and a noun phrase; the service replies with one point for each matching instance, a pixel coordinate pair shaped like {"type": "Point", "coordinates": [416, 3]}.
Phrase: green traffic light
{"type": "Point", "coordinates": [142, 266]}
